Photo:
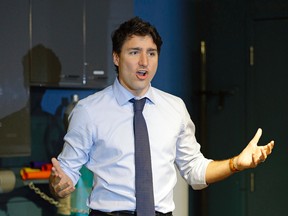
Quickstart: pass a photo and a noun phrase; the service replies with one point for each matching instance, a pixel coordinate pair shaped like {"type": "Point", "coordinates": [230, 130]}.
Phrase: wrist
{"type": "Point", "coordinates": [232, 165]}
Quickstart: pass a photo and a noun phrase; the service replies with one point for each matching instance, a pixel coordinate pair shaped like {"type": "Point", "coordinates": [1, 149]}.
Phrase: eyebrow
{"type": "Point", "coordinates": [138, 48]}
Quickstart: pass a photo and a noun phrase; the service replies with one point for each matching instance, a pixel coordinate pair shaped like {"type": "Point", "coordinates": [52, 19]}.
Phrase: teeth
{"type": "Point", "coordinates": [141, 72]}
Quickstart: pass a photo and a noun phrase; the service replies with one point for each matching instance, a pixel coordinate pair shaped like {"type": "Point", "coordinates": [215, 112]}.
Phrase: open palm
{"type": "Point", "coordinates": [253, 154]}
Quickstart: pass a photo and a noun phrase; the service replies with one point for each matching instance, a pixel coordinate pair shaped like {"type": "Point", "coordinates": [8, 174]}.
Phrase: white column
{"type": "Point", "coordinates": [181, 197]}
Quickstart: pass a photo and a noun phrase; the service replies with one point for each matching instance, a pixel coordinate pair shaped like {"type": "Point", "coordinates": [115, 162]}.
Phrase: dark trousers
{"type": "Point", "coordinates": [123, 213]}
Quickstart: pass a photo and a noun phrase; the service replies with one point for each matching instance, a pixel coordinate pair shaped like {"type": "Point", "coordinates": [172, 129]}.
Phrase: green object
{"type": "Point", "coordinates": [81, 193]}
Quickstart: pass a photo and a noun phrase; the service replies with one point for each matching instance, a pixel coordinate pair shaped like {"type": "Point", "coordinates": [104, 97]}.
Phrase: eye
{"type": "Point", "coordinates": [152, 53]}
{"type": "Point", "coordinates": [133, 52]}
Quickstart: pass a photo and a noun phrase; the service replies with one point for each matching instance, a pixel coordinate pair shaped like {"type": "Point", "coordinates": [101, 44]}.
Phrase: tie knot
{"type": "Point", "coordinates": [138, 104]}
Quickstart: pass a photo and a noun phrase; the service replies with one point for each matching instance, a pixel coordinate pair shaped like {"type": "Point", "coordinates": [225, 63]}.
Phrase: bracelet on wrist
{"type": "Point", "coordinates": [233, 169]}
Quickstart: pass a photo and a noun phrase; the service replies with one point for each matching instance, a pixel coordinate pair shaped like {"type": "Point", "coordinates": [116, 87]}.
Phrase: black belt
{"type": "Point", "coordinates": [123, 213]}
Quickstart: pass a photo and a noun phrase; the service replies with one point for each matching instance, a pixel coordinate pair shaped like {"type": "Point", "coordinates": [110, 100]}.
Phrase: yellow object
{"type": "Point", "coordinates": [231, 165]}
{"type": "Point", "coordinates": [65, 206]}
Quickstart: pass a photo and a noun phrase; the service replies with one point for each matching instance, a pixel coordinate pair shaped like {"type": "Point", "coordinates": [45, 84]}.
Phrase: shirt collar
{"type": "Point", "coordinates": [123, 96]}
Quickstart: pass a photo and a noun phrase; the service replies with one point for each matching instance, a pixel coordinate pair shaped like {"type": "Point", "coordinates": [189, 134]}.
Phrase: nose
{"type": "Point", "coordinates": [143, 60]}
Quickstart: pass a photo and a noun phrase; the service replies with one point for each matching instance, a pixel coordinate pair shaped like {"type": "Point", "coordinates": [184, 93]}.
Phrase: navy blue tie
{"type": "Point", "coordinates": [143, 180]}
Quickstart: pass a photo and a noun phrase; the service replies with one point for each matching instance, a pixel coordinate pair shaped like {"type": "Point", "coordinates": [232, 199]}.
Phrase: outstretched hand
{"type": "Point", "coordinates": [59, 183]}
{"type": "Point", "coordinates": [253, 154]}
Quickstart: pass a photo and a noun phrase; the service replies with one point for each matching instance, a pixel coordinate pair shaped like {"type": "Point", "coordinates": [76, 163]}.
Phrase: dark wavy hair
{"type": "Point", "coordinates": [134, 26]}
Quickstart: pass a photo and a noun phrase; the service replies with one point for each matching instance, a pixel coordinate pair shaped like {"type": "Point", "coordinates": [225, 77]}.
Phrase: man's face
{"type": "Point", "coordinates": [137, 63]}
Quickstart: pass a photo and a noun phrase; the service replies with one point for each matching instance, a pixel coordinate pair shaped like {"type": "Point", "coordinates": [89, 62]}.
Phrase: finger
{"type": "Point", "coordinates": [269, 147]}
{"type": "Point", "coordinates": [263, 155]}
{"type": "Point", "coordinates": [53, 178]}
{"type": "Point", "coordinates": [64, 189]}
{"type": "Point", "coordinates": [56, 164]}
{"type": "Point", "coordinates": [256, 137]}
{"type": "Point", "coordinates": [254, 160]}
{"type": "Point", "coordinates": [63, 193]}
{"type": "Point", "coordinates": [65, 186]}
{"type": "Point", "coordinates": [254, 141]}
{"type": "Point", "coordinates": [56, 169]}
{"type": "Point", "coordinates": [56, 172]}
{"type": "Point", "coordinates": [60, 187]}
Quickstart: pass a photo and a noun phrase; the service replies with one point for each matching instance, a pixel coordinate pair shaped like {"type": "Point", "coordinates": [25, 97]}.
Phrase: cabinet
{"type": "Point", "coordinates": [71, 44]}
{"type": "Point", "coordinates": [48, 44]}
{"type": "Point", "coordinates": [14, 89]}
{"type": "Point", "coordinates": [52, 43]}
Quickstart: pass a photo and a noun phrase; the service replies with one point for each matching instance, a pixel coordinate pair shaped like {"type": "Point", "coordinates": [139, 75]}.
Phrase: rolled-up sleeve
{"type": "Point", "coordinates": [190, 161]}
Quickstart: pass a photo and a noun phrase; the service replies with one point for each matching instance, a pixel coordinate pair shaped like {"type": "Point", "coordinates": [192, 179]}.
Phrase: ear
{"type": "Point", "coordinates": [116, 59]}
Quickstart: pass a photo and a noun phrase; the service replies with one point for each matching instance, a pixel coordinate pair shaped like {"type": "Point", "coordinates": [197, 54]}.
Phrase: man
{"type": "Point", "coordinates": [100, 135]}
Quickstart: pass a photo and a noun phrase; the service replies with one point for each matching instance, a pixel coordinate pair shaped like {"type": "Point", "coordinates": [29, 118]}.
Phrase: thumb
{"type": "Point", "coordinates": [56, 165]}
{"type": "Point", "coordinates": [256, 137]}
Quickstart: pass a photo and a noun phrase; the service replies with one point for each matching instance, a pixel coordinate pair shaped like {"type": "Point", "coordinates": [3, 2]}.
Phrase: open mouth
{"type": "Point", "coordinates": [141, 74]}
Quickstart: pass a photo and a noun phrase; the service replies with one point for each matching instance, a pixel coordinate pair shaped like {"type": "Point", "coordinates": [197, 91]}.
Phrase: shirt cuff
{"type": "Point", "coordinates": [197, 178]}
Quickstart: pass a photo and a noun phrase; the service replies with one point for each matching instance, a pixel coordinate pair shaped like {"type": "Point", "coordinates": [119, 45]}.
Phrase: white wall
{"type": "Point", "coordinates": [181, 197]}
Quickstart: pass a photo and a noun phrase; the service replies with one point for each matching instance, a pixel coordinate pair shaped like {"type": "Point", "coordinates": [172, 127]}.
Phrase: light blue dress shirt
{"type": "Point", "coordinates": [100, 136]}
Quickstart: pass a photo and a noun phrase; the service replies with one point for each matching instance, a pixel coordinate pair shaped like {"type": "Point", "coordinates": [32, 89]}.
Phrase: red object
{"type": "Point", "coordinates": [36, 175]}
{"type": "Point", "coordinates": [46, 167]}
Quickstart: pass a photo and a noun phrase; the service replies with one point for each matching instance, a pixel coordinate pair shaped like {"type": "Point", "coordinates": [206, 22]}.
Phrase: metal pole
{"type": "Point", "coordinates": [203, 119]}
